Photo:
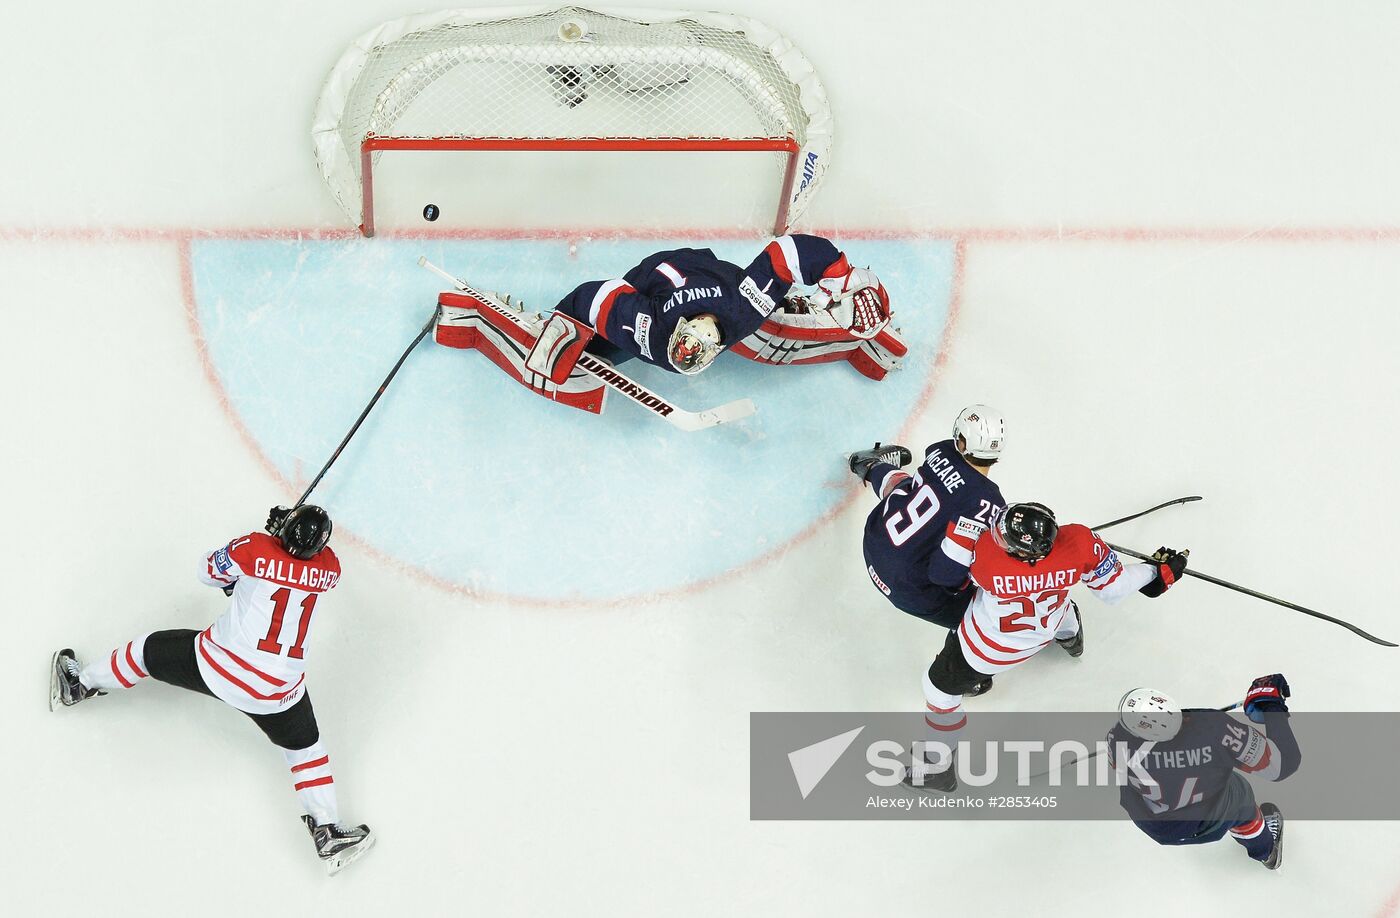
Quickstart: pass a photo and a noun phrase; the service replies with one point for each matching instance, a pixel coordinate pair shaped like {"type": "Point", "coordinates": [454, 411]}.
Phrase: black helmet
{"type": "Point", "coordinates": [304, 531]}
{"type": "Point", "coordinates": [1026, 531]}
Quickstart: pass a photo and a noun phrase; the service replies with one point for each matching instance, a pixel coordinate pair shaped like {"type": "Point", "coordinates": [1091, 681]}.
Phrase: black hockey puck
{"type": "Point", "coordinates": [430, 212]}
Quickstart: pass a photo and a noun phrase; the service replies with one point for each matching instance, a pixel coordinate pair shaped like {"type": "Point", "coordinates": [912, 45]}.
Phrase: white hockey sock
{"type": "Point", "coordinates": [1069, 625]}
{"type": "Point", "coordinates": [311, 779]}
{"type": "Point", "coordinates": [945, 720]}
{"type": "Point", "coordinates": [121, 669]}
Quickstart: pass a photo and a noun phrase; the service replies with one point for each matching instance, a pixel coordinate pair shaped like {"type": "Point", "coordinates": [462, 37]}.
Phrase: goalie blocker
{"type": "Point", "coordinates": [540, 355]}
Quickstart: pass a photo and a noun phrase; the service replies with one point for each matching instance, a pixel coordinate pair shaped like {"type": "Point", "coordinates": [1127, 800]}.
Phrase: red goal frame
{"type": "Point", "coordinates": [374, 143]}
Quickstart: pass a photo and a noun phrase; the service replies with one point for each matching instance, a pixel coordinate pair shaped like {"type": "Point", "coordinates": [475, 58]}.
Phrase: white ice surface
{"type": "Point", "coordinates": [592, 760]}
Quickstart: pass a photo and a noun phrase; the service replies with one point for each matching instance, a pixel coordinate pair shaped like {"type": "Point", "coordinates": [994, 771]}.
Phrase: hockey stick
{"type": "Point", "coordinates": [1191, 572]}
{"type": "Point", "coordinates": [1095, 753]}
{"type": "Point", "coordinates": [1124, 519]}
{"type": "Point", "coordinates": [364, 414]}
{"type": "Point", "coordinates": [599, 370]}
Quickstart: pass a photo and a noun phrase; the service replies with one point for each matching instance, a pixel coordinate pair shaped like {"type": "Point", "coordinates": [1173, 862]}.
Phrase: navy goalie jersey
{"type": "Point", "coordinates": [919, 539]}
{"type": "Point", "coordinates": [638, 312]}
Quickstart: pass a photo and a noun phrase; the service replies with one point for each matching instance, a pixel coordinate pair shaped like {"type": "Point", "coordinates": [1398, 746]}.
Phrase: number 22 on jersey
{"type": "Point", "coordinates": [1041, 607]}
{"type": "Point", "coordinates": [280, 600]}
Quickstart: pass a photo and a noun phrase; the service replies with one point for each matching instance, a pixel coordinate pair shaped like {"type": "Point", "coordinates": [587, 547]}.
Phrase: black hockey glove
{"type": "Point", "coordinates": [275, 518]}
{"type": "Point", "coordinates": [1266, 695]}
{"type": "Point", "coordinates": [1171, 564]}
{"type": "Point", "coordinates": [228, 590]}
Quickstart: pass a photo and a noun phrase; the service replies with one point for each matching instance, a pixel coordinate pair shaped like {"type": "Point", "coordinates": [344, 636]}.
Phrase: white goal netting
{"type": "Point", "coordinates": [571, 79]}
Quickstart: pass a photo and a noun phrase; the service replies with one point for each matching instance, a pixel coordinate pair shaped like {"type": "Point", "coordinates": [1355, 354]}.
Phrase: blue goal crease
{"type": "Point", "coordinates": [466, 475]}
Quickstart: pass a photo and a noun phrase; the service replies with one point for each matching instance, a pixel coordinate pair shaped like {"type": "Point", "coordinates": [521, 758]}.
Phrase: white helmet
{"type": "Point", "coordinates": [694, 344]}
{"type": "Point", "coordinates": [984, 429]}
{"type": "Point", "coordinates": [1149, 714]}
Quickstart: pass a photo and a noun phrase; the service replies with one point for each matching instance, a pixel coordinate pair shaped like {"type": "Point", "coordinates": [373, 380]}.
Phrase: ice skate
{"type": "Point", "coordinates": [64, 686]}
{"type": "Point", "coordinates": [862, 460]}
{"type": "Point", "coordinates": [338, 846]}
{"type": "Point", "coordinates": [1074, 646]}
{"type": "Point", "coordinates": [1273, 824]}
{"type": "Point", "coordinates": [945, 781]}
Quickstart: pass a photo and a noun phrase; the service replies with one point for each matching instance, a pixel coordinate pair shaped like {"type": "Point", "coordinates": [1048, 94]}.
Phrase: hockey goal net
{"type": "Point", "coordinates": [571, 79]}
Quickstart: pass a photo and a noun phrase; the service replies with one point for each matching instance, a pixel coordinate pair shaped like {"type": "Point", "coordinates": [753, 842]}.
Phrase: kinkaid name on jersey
{"type": "Point", "coordinates": [1006, 585]}
{"type": "Point", "coordinates": [295, 574]}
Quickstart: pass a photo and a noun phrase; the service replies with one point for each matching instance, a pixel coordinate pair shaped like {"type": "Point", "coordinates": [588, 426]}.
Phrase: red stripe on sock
{"type": "Point", "coordinates": [946, 728]}
{"type": "Point", "coordinates": [131, 661]}
{"type": "Point", "coordinates": [315, 782]}
{"type": "Point", "coordinates": [118, 673]}
{"type": "Point", "coordinates": [1252, 827]}
{"type": "Point", "coordinates": [314, 763]}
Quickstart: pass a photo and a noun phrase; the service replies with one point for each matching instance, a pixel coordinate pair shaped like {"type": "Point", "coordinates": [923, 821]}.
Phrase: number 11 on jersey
{"type": "Point", "coordinates": [280, 600]}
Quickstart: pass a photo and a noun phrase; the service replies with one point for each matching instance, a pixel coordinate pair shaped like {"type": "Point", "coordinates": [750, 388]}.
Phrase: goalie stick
{"type": "Point", "coordinates": [635, 391]}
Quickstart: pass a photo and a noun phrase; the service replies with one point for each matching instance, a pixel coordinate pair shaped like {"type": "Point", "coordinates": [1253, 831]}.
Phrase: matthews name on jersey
{"type": "Point", "coordinates": [253, 656]}
{"type": "Point", "coordinates": [919, 540]}
{"type": "Point", "coordinates": [1020, 605]}
{"type": "Point", "coordinates": [639, 311]}
{"type": "Point", "coordinates": [1180, 785]}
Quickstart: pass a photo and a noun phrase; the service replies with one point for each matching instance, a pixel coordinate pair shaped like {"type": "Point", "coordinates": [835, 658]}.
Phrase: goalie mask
{"type": "Point", "coordinates": [694, 344]}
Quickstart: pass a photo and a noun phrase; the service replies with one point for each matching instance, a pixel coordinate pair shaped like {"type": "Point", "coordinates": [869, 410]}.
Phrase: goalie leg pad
{"type": "Point", "coordinates": [558, 347]}
{"type": "Point", "coordinates": [507, 339]}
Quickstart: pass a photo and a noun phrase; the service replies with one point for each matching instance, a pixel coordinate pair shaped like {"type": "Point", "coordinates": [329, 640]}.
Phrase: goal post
{"type": "Point", "coordinates": [572, 80]}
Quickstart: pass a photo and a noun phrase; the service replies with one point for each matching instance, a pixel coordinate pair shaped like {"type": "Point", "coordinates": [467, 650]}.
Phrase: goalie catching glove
{"type": "Point", "coordinates": [857, 301]}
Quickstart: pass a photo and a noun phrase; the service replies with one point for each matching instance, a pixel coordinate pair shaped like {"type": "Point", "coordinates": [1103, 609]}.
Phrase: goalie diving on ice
{"type": "Point", "coordinates": [679, 310]}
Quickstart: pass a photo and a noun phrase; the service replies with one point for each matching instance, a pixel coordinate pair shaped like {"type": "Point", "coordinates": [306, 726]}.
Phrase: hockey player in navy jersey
{"type": "Point", "coordinates": [799, 302]}
{"type": "Point", "coordinates": [680, 309]}
{"type": "Point", "coordinates": [1187, 784]}
{"type": "Point", "coordinates": [919, 538]}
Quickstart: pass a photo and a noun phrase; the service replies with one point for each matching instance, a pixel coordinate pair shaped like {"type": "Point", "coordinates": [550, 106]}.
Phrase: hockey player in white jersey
{"type": "Point", "coordinates": [252, 659]}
